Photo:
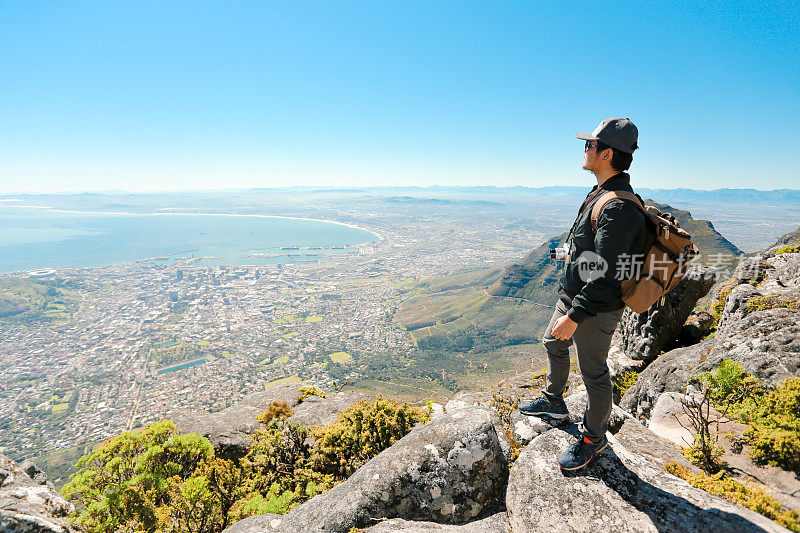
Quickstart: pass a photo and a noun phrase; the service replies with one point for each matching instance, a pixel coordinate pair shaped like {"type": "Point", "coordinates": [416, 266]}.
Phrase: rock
{"type": "Point", "coordinates": [33, 471]}
{"type": "Point", "coordinates": [437, 410]}
{"type": "Point", "coordinates": [229, 430]}
{"type": "Point", "coordinates": [497, 523]}
{"type": "Point", "coordinates": [697, 326]}
{"type": "Point", "coordinates": [619, 491]}
{"type": "Point", "coordinates": [766, 343]}
{"type": "Point", "coordinates": [644, 336]}
{"type": "Point", "coordinates": [256, 524]}
{"type": "Point", "coordinates": [735, 308]}
{"type": "Point", "coordinates": [28, 504]}
{"type": "Point", "coordinates": [641, 441]}
{"type": "Point", "coordinates": [450, 470]}
{"type": "Point", "coordinates": [669, 373]}
{"type": "Point", "coordinates": [666, 418]}
{"type": "Point", "coordinates": [526, 427]}
{"type": "Point", "coordinates": [318, 411]}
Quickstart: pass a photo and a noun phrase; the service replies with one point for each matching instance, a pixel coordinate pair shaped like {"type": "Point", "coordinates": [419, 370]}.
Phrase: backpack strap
{"type": "Point", "coordinates": [609, 196]}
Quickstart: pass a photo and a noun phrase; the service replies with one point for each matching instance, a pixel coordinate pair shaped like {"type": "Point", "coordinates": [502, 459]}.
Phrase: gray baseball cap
{"type": "Point", "coordinates": [619, 133]}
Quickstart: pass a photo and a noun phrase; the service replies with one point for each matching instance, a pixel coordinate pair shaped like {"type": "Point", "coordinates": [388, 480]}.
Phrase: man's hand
{"type": "Point", "coordinates": [564, 328]}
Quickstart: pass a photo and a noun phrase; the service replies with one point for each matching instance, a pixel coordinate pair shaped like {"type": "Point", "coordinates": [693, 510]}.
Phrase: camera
{"type": "Point", "coordinates": [560, 254]}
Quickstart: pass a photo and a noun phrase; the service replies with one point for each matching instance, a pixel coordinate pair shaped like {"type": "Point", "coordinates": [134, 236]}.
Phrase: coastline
{"type": "Point", "coordinates": [122, 213]}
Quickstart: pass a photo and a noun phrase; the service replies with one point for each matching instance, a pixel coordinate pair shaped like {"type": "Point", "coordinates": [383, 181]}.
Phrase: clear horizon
{"type": "Point", "coordinates": [185, 96]}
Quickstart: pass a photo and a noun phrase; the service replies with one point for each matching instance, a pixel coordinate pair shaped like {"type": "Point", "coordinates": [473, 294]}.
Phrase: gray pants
{"type": "Point", "coordinates": [592, 340]}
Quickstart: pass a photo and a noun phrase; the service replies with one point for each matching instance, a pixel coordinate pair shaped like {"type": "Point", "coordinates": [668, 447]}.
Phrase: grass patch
{"type": "Point", "coordinates": [281, 360]}
{"type": "Point", "coordinates": [289, 335]}
{"type": "Point", "coordinates": [314, 319]}
{"type": "Point", "coordinates": [285, 319]}
{"type": "Point", "coordinates": [60, 407]}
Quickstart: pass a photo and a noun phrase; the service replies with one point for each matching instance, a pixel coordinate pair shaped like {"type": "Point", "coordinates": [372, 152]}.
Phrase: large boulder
{"type": "Point", "coordinates": [450, 470]}
{"type": "Point", "coordinates": [229, 430]}
{"type": "Point", "coordinates": [28, 502]}
{"type": "Point", "coordinates": [619, 491]}
{"type": "Point", "coordinates": [669, 373]}
{"type": "Point", "coordinates": [644, 336]}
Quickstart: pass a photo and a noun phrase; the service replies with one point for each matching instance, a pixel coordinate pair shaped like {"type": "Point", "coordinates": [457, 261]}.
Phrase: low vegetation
{"type": "Point", "coordinates": [624, 381]}
{"type": "Point", "coordinates": [771, 413]}
{"type": "Point", "coordinates": [157, 480]}
{"type": "Point", "coordinates": [763, 303]}
{"type": "Point", "coordinates": [788, 249]}
{"type": "Point", "coordinates": [744, 494]}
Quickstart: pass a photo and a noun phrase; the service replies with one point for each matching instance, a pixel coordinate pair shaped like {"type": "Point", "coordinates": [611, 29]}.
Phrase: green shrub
{"type": "Point", "coordinates": [788, 249]}
{"type": "Point", "coordinates": [360, 433]}
{"type": "Point", "coordinates": [129, 480]}
{"type": "Point", "coordinates": [774, 431]}
{"type": "Point", "coordinates": [275, 501]}
{"type": "Point", "coordinates": [305, 392]}
{"type": "Point", "coordinates": [625, 381]}
{"type": "Point", "coordinates": [746, 495]}
{"type": "Point", "coordinates": [724, 380]}
{"type": "Point", "coordinates": [773, 416]}
{"type": "Point", "coordinates": [275, 411]}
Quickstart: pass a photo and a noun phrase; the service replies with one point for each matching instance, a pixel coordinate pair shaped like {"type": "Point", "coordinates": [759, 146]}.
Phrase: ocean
{"type": "Point", "coordinates": [32, 238]}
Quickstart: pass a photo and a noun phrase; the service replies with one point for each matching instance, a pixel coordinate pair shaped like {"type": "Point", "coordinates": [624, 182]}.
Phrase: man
{"type": "Point", "coordinates": [590, 300]}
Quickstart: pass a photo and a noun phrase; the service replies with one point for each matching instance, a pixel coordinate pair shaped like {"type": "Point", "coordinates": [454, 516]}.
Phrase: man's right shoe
{"type": "Point", "coordinates": [544, 407]}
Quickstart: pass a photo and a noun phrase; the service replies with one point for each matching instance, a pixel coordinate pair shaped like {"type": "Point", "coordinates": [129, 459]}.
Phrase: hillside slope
{"type": "Point", "coordinates": [489, 308]}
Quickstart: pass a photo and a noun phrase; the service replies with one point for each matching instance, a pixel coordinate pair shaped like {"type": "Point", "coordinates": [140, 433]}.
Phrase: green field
{"type": "Point", "coordinates": [340, 357]}
{"type": "Point", "coordinates": [314, 319]}
{"type": "Point", "coordinates": [290, 379]}
{"type": "Point", "coordinates": [281, 360]}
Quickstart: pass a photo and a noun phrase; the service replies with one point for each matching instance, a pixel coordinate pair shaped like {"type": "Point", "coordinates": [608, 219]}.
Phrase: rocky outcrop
{"type": "Point", "coordinates": [620, 491]}
{"type": "Point", "coordinates": [669, 373]}
{"type": "Point", "coordinates": [28, 502]}
{"type": "Point", "coordinates": [450, 470]}
{"type": "Point", "coordinates": [229, 430]}
{"type": "Point", "coordinates": [645, 336]}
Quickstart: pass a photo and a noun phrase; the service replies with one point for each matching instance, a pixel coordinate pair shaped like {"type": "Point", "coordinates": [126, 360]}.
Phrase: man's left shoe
{"type": "Point", "coordinates": [581, 453]}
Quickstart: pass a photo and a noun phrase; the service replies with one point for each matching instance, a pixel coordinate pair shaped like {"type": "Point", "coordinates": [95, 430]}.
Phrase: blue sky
{"type": "Point", "coordinates": [196, 95]}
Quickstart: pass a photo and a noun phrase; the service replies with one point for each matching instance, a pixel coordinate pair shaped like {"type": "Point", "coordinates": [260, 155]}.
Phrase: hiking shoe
{"type": "Point", "coordinates": [581, 453]}
{"type": "Point", "coordinates": [544, 407]}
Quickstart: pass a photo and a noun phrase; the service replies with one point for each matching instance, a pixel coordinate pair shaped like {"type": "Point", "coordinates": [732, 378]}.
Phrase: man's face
{"type": "Point", "coordinates": [590, 158]}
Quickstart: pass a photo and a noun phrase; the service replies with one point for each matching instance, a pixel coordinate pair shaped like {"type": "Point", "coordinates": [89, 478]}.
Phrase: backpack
{"type": "Point", "coordinates": [667, 251]}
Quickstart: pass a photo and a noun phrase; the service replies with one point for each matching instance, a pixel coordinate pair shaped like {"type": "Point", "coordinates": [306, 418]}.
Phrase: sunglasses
{"type": "Point", "coordinates": [588, 145]}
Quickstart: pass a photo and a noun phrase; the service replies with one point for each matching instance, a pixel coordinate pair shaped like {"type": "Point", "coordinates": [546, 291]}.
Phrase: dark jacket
{"type": "Point", "coordinates": [620, 230]}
